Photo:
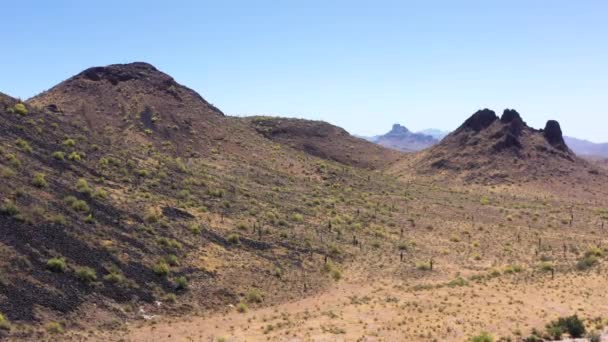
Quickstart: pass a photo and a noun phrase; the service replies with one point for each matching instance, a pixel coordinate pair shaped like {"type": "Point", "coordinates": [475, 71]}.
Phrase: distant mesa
{"type": "Point", "coordinates": [402, 139]}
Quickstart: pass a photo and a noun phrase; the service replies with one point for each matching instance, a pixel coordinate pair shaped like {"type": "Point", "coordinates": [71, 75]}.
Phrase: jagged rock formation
{"type": "Point", "coordinates": [486, 148]}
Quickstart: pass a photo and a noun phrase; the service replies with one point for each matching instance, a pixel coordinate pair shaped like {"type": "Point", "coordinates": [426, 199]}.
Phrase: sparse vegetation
{"type": "Point", "coordinates": [56, 265]}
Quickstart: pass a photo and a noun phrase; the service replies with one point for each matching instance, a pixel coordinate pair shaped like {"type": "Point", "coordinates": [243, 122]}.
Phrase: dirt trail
{"type": "Point", "coordinates": [391, 311]}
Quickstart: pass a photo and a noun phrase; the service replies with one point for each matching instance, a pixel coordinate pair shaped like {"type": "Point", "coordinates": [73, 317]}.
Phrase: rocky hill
{"type": "Point", "coordinates": [121, 189]}
{"type": "Point", "coordinates": [489, 149]}
{"type": "Point", "coordinates": [323, 140]}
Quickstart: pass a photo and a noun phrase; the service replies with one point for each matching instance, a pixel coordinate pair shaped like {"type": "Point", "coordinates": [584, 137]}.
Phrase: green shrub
{"type": "Point", "coordinates": [39, 180]}
{"type": "Point", "coordinates": [115, 276]}
{"type": "Point", "coordinates": [233, 239]}
{"type": "Point", "coordinates": [423, 266]}
{"type": "Point", "coordinates": [24, 145]}
{"type": "Point", "coordinates": [4, 323]}
{"type": "Point", "coordinates": [20, 109]}
{"type": "Point", "coordinates": [297, 218]}
{"type": "Point", "coordinates": [547, 266]}
{"type": "Point", "coordinates": [571, 325]}
{"type": "Point", "coordinates": [69, 142]}
{"type": "Point", "coordinates": [594, 251]}
{"type": "Point", "coordinates": [172, 260]}
{"type": "Point", "coordinates": [181, 283]}
{"type": "Point", "coordinates": [587, 262]}
{"type": "Point", "coordinates": [242, 307]}
{"type": "Point", "coordinates": [483, 337]}
{"type": "Point", "coordinates": [161, 268]}
{"type": "Point", "coordinates": [254, 296]}
{"type": "Point", "coordinates": [195, 228]}
{"type": "Point", "coordinates": [86, 274]}
{"type": "Point", "coordinates": [458, 282]}
{"type": "Point", "coordinates": [82, 186]}
{"type": "Point", "coordinates": [9, 208]}
{"type": "Point", "coordinates": [54, 328]}
{"type": "Point", "coordinates": [56, 265]}
{"type": "Point", "coordinates": [171, 243]}
{"type": "Point", "coordinates": [58, 155]}
{"type": "Point", "coordinates": [76, 204]}
{"type": "Point", "coordinates": [74, 156]}
{"type": "Point", "coordinates": [100, 193]}
{"type": "Point", "coordinates": [513, 269]}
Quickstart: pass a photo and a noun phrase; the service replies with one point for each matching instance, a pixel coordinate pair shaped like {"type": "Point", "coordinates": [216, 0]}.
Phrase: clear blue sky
{"type": "Point", "coordinates": [360, 65]}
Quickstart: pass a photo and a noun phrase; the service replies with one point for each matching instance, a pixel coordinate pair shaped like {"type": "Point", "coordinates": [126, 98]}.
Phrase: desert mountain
{"type": "Point", "coordinates": [400, 138]}
{"type": "Point", "coordinates": [488, 149]}
{"type": "Point", "coordinates": [135, 102]}
{"type": "Point", "coordinates": [587, 148]}
{"type": "Point", "coordinates": [120, 188]}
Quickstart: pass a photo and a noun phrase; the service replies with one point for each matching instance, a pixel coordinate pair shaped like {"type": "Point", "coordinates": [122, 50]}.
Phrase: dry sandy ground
{"type": "Point", "coordinates": [390, 310]}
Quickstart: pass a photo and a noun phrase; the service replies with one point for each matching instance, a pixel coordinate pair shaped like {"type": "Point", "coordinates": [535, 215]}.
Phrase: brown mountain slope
{"type": "Point", "coordinates": [135, 102]}
{"type": "Point", "coordinates": [488, 149]}
{"type": "Point", "coordinates": [324, 140]}
{"type": "Point", "coordinates": [98, 225]}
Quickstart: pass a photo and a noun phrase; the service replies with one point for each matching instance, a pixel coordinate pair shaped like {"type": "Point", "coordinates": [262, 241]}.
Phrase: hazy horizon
{"type": "Point", "coordinates": [421, 64]}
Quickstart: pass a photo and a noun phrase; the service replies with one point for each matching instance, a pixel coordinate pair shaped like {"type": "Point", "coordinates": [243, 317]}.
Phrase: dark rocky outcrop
{"type": "Point", "coordinates": [553, 134]}
{"type": "Point", "coordinates": [480, 120]}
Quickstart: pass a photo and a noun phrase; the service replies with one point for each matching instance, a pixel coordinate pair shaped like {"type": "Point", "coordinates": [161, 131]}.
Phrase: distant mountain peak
{"type": "Point", "coordinates": [397, 130]}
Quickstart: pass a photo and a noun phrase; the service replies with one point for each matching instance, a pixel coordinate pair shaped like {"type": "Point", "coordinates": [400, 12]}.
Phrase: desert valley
{"type": "Point", "coordinates": [131, 209]}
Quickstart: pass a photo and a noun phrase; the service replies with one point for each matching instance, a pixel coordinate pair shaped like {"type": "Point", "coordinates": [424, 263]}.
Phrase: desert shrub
{"type": "Point", "coordinates": [194, 228]}
{"type": "Point", "coordinates": [57, 219]}
{"type": "Point", "coordinates": [56, 265]}
{"type": "Point", "coordinates": [114, 276]}
{"type": "Point", "coordinates": [172, 260]}
{"type": "Point", "coordinates": [54, 328]}
{"type": "Point", "coordinates": [100, 193]}
{"type": "Point", "coordinates": [69, 142]}
{"type": "Point", "coordinates": [242, 307]}
{"type": "Point", "coordinates": [571, 325]}
{"type": "Point", "coordinates": [297, 218]}
{"type": "Point", "coordinates": [161, 268]}
{"type": "Point", "coordinates": [170, 243]}
{"type": "Point", "coordinates": [181, 283]}
{"type": "Point", "coordinates": [9, 208]}
{"type": "Point", "coordinates": [331, 269]}
{"type": "Point", "coordinates": [24, 145]}
{"type": "Point", "coordinates": [483, 337]}
{"type": "Point", "coordinates": [39, 180]}
{"type": "Point", "coordinates": [20, 109]}
{"type": "Point", "coordinates": [13, 160]}
{"type": "Point", "coordinates": [423, 266]}
{"type": "Point", "coordinates": [587, 262]}
{"type": "Point", "coordinates": [513, 269]}
{"type": "Point", "coordinates": [254, 296]}
{"type": "Point", "coordinates": [458, 282]}
{"type": "Point", "coordinates": [233, 239]}
{"type": "Point", "coordinates": [74, 156]}
{"type": "Point", "coordinates": [82, 186]}
{"type": "Point", "coordinates": [594, 251]}
{"type": "Point", "coordinates": [4, 323]}
{"type": "Point", "coordinates": [76, 204]}
{"type": "Point", "coordinates": [152, 216]}
{"type": "Point", "coordinates": [58, 155]}
{"type": "Point", "coordinates": [546, 266]}
{"type": "Point", "coordinates": [241, 226]}
{"type": "Point", "coordinates": [86, 274]}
